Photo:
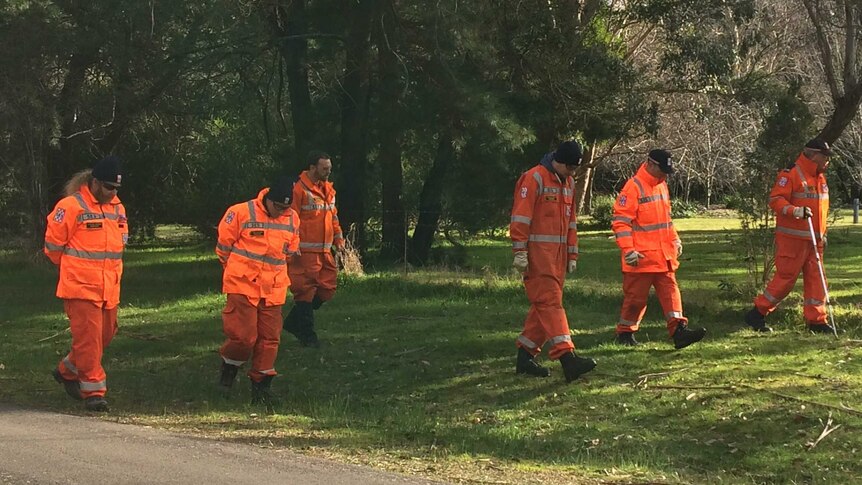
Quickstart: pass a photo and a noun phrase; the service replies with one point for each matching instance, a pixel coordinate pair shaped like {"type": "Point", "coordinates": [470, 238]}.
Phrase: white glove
{"type": "Point", "coordinates": [678, 245]}
{"type": "Point", "coordinates": [800, 212]}
{"type": "Point", "coordinates": [520, 262]}
{"type": "Point", "coordinates": [573, 265]}
{"type": "Point", "coordinates": [632, 257]}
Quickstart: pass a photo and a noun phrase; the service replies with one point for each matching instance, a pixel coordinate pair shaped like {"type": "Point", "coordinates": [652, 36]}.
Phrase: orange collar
{"type": "Point", "coordinates": [808, 166]}
{"type": "Point", "coordinates": [645, 176]}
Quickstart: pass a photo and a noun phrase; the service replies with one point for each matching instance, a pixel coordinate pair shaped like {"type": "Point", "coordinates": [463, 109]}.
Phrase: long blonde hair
{"type": "Point", "coordinates": [77, 180]}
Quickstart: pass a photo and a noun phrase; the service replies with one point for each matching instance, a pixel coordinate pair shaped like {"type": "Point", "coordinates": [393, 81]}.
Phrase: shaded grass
{"type": "Point", "coordinates": [416, 374]}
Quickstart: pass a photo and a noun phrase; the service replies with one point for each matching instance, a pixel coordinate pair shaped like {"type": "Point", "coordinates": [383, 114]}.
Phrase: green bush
{"type": "Point", "coordinates": [682, 210]}
{"type": "Point", "coordinates": [603, 211]}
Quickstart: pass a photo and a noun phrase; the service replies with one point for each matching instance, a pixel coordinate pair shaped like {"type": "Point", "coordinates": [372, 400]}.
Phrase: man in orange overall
{"type": "Point", "coordinates": [650, 248]}
{"type": "Point", "coordinates": [799, 193]}
{"type": "Point", "coordinates": [256, 239]}
{"type": "Point", "coordinates": [544, 236]}
{"type": "Point", "coordinates": [314, 273]}
{"type": "Point", "coordinates": [87, 232]}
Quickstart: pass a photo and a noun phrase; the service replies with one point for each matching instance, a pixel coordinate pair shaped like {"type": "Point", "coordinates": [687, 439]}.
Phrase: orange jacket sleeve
{"type": "Point", "coordinates": [61, 227]}
{"type": "Point", "coordinates": [337, 236]}
{"type": "Point", "coordinates": [779, 198]}
{"type": "Point", "coordinates": [293, 245]}
{"type": "Point", "coordinates": [572, 235]}
{"type": "Point", "coordinates": [526, 192]}
{"type": "Point", "coordinates": [625, 213]}
{"type": "Point", "coordinates": [229, 232]}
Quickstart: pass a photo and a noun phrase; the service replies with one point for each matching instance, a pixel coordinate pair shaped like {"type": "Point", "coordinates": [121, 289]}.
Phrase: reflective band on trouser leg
{"type": "Point", "coordinates": [635, 292]}
{"type": "Point", "coordinates": [667, 291]}
{"type": "Point", "coordinates": [790, 255]}
{"type": "Point", "coordinates": [533, 336]}
{"type": "Point", "coordinates": [85, 322]}
{"type": "Point", "coordinates": [266, 347]}
{"type": "Point", "coordinates": [67, 368]}
{"type": "Point", "coordinates": [239, 322]}
{"type": "Point", "coordinates": [546, 296]}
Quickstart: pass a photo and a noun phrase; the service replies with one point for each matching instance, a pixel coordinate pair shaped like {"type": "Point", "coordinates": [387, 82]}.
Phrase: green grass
{"type": "Point", "coordinates": [417, 371]}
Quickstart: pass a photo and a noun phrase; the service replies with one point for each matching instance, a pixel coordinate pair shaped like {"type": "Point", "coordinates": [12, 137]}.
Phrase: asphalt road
{"type": "Point", "coordinates": [47, 448]}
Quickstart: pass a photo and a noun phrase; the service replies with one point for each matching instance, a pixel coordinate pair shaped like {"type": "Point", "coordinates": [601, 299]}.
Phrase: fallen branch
{"type": "Point", "coordinates": [826, 431]}
{"type": "Point", "coordinates": [843, 408]}
{"type": "Point", "coordinates": [55, 335]}
{"type": "Point", "coordinates": [714, 388]}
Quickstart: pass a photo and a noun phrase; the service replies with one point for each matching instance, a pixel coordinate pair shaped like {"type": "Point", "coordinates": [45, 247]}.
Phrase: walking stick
{"type": "Point", "coordinates": [822, 276]}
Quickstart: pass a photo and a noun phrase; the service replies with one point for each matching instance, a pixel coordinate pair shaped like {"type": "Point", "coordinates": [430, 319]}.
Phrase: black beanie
{"type": "Point", "coordinates": [663, 159]}
{"type": "Point", "coordinates": [569, 153]}
{"type": "Point", "coordinates": [281, 190]}
{"type": "Point", "coordinates": [108, 170]}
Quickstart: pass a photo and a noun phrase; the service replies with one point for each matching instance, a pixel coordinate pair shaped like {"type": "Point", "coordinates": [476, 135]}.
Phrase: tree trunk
{"type": "Point", "coordinates": [431, 200]}
{"type": "Point", "coordinates": [289, 24]}
{"type": "Point", "coordinates": [354, 122]}
{"type": "Point", "coordinates": [846, 108]}
{"type": "Point", "coordinates": [389, 126]}
{"type": "Point", "coordinates": [583, 179]}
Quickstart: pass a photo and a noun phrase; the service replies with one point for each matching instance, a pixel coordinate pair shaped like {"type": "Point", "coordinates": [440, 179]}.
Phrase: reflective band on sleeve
{"type": "Point", "coordinates": [627, 220]}
{"type": "Point", "coordinates": [786, 209]}
{"type": "Point", "coordinates": [547, 238]}
{"type": "Point", "coordinates": [623, 234]}
{"type": "Point", "coordinates": [337, 237]}
{"type": "Point", "coordinates": [573, 225]}
{"type": "Point", "coordinates": [53, 247]}
{"type": "Point", "coordinates": [93, 386]}
{"type": "Point", "coordinates": [519, 245]}
{"type": "Point", "coordinates": [560, 339]}
{"type": "Point", "coordinates": [92, 254]}
{"type": "Point", "coordinates": [527, 342]}
{"type": "Point", "coordinates": [223, 247]}
{"type": "Point", "coordinates": [573, 250]}
{"type": "Point", "coordinates": [522, 219]}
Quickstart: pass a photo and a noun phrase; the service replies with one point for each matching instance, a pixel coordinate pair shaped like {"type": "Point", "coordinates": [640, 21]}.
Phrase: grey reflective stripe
{"type": "Point", "coordinates": [303, 245]}
{"type": "Point", "coordinates": [265, 372]}
{"type": "Point", "coordinates": [259, 257]}
{"type": "Point", "coordinates": [573, 225]}
{"type": "Point", "coordinates": [775, 198]}
{"type": "Point", "coordinates": [538, 179]}
{"type": "Point", "coordinates": [337, 236]}
{"type": "Point", "coordinates": [627, 323]}
{"type": "Point", "coordinates": [573, 250]}
{"type": "Point", "coordinates": [522, 219]}
{"type": "Point", "coordinates": [519, 245]}
{"type": "Point", "coordinates": [313, 207]}
{"type": "Point", "coordinates": [770, 298]}
{"type": "Point", "coordinates": [811, 195]}
{"type": "Point", "coordinates": [670, 315]}
{"type": "Point", "coordinates": [80, 199]}
{"type": "Point", "coordinates": [802, 177]}
{"type": "Point", "coordinates": [627, 220]}
{"type": "Point", "coordinates": [795, 232]}
{"type": "Point", "coordinates": [652, 198]}
{"type": "Point", "coordinates": [640, 187]}
{"type": "Point", "coordinates": [334, 217]}
{"type": "Point", "coordinates": [92, 254]}
{"type": "Point", "coordinates": [568, 192]}
{"type": "Point", "coordinates": [560, 339]}
{"type": "Point", "coordinates": [812, 301]}
{"type": "Point", "coordinates": [89, 216]}
{"type": "Point", "coordinates": [252, 216]}
{"type": "Point", "coordinates": [269, 225]}
{"type": "Point", "coordinates": [114, 217]}
{"type": "Point", "coordinates": [53, 247]}
{"type": "Point", "coordinates": [550, 190]}
{"type": "Point", "coordinates": [527, 342]}
{"type": "Point", "coordinates": [223, 247]}
{"type": "Point", "coordinates": [93, 386]}
{"type": "Point", "coordinates": [547, 238]}
{"type": "Point", "coordinates": [786, 209]}
{"type": "Point", "coordinates": [622, 234]}
{"type": "Point", "coordinates": [652, 227]}
{"type": "Point", "coordinates": [233, 362]}
{"type": "Point", "coordinates": [329, 206]}
{"type": "Point", "coordinates": [69, 365]}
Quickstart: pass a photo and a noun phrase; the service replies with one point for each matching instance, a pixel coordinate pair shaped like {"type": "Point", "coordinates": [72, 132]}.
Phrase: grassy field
{"type": "Point", "coordinates": [416, 374]}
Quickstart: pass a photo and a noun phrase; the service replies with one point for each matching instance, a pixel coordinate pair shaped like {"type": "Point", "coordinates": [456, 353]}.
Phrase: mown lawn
{"type": "Point", "coordinates": [416, 374]}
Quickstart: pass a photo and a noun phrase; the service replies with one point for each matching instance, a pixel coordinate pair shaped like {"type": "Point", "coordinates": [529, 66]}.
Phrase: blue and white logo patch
{"type": "Point", "coordinates": [623, 200]}
{"type": "Point", "coordinates": [229, 218]}
{"type": "Point", "coordinates": [824, 188]}
{"type": "Point", "coordinates": [782, 181]}
{"type": "Point", "coordinates": [125, 239]}
{"type": "Point", "coordinates": [59, 215]}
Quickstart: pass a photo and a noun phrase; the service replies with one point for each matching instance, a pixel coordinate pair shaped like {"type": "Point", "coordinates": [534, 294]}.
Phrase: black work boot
{"type": "Point", "coordinates": [627, 339]}
{"type": "Point", "coordinates": [96, 404]}
{"type": "Point", "coordinates": [228, 375]}
{"type": "Point", "coordinates": [526, 365]}
{"type": "Point", "coordinates": [756, 321]}
{"type": "Point", "coordinates": [574, 366]}
{"type": "Point", "coordinates": [73, 388]}
{"type": "Point", "coordinates": [683, 336]}
{"type": "Point", "coordinates": [261, 393]}
{"type": "Point", "coordinates": [820, 328]}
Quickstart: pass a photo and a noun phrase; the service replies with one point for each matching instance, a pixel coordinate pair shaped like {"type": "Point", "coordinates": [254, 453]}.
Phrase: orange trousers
{"type": "Point", "coordinates": [313, 274]}
{"type": "Point", "coordinates": [251, 330]}
{"type": "Point", "coordinates": [546, 321]}
{"type": "Point", "coordinates": [636, 288]}
{"type": "Point", "coordinates": [793, 256]}
{"type": "Point", "coordinates": [93, 327]}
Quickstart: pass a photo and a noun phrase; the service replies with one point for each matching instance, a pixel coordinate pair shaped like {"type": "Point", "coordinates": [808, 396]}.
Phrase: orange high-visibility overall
{"type": "Point", "coordinates": [314, 272]}
{"type": "Point", "coordinates": [544, 224]}
{"type": "Point", "coordinates": [254, 249]}
{"type": "Point", "coordinates": [86, 239]}
{"type": "Point", "coordinates": [799, 186]}
{"type": "Point", "coordinates": [642, 223]}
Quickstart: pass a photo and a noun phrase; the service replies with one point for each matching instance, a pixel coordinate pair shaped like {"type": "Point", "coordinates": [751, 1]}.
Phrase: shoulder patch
{"type": "Point", "coordinates": [229, 217]}
{"type": "Point", "coordinates": [523, 192]}
{"type": "Point", "coordinates": [782, 181]}
{"type": "Point", "coordinates": [59, 214]}
{"type": "Point", "coordinates": [623, 200]}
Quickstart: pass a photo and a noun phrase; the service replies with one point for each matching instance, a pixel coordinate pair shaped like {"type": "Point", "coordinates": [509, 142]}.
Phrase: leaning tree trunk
{"type": "Point", "coordinates": [583, 180]}
{"type": "Point", "coordinates": [431, 200]}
